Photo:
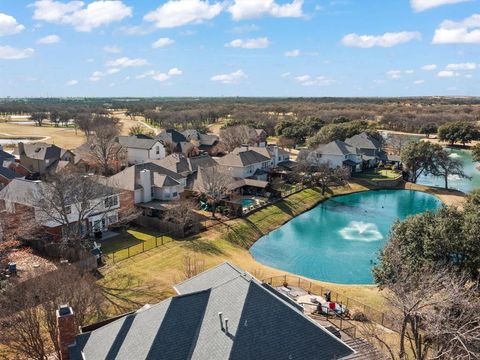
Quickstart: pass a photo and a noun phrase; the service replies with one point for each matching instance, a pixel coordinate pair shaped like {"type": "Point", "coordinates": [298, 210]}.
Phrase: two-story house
{"type": "Point", "coordinates": [244, 163]}
{"type": "Point", "coordinates": [149, 182]}
{"type": "Point", "coordinates": [40, 157]}
{"type": "Point", "coordinates": [142, 148]}
{"type": "Point", "coordinates": [336, 154]}
{"type": "Point", "coordinates": [369, 147]}
{"type": "Point", "coordinates": [21, 200]}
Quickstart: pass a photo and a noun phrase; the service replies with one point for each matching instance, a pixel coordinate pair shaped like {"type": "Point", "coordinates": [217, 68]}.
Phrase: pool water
{"type": "Point", "coordinates": [454, 182]}
{"type": "Point", "coordinates": [247, 202]}
{"type": "Point", "coordinates": [339, 240]}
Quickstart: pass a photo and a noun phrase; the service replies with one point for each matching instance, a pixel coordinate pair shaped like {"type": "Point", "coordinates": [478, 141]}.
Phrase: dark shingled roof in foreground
{"type": "Point", "coordinates": [261, 325]}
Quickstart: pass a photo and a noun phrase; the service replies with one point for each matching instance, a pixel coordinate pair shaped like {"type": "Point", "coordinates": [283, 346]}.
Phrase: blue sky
{"type": "Point", "coordinates": [239, 48]}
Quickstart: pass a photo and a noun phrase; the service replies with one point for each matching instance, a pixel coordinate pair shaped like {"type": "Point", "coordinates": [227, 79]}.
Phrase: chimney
{"type": "Point", "coordinates": [226, 326]}
{"type": "Point", "coordinates": [21, 148]}
{"type": "Point", "coordinates": [244, 147]}
{"type": "Point", "coordinates": [67, 330]}
{"type": "Point", "coordinates": [146, 183]}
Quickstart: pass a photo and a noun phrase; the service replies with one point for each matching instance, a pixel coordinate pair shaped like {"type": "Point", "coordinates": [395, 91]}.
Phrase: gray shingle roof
{"type": "Point", "coordinates": [137, 142]}
{"type": "Point", "coordinates": [336, 147]}
{"type": "Point", "coordinates": [180, 164]}
{"type": "Point", "coordinates": [42, 151]}
{"type": "Point", "coordinates": [364, 141]}
{"type": "Point", "coordinates": [5, 155]}
{"type": "Point", "coordinates": [261, 325]}
{"type": "Point", "coordinates": [9, 174]}
{"type": "Point", "coordinates": [242, 158]}
{"type": "Point", "coordinates": [128, 179]}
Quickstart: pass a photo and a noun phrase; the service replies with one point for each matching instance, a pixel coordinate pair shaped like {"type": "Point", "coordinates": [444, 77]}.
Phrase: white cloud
{"type": "Point", "coordinates": [11, 53]}
{"type": "Point", "coordinates": [463, 66]}
{"type": "Point", "coordinates": [248, 9]}
{"type": "Point", "coordinates": [394, 74]}
{"type": "Point", "coordinates": [386, 40]}
{"type": "Point", "coordinates": [175, 72]}
{"type": "Point", "coordinates": [9, 25]}
{"type": "Point", "coordinates": [468, 76]}
{"type": "Point", "coordinates": [466, 31]}
{"type": "Point", "coordinates": [182, 12]}
{"type": "Point", "coordinates": [71, 82]}
{"type": "Point", "coordinates": [230, 78]}
{"type": "Point", "coordinates": [447, 73]}
{"type": "Point", "coordinates": [112, 71]}
{"type": "Point", "coordinates": [419, 82]}
{"type": "Point", "coordinates": [286, 74]}
{"type": "Point", "coordinates": [422, 5]}
{"type": "Point", "coordinates": [49, 39]}
{"type": "Point", "coordinates": [82, 18]}
{"type": "Point", "coordinates": [307, 80]}
{"type": "Point", "coordinates": [245, 29]}
{"type": "Point", "coordinates": [429, 67]}
{"type": "Point", "coordinates": [409, 72]}
{"type": "Point", "coordinates": [112, 49]}
{"type": "Point", "coordinates": [162, 42]}
{"type": "Point", "coordinates": [160, 76]}
{"type": "Point", "coordinates": [293, 53]}
{"type": "Point", "coordinates": [126, 62]}
{"type": "Point", "coordinates": [97, 75]}
{"type": "Point", "coordinates": [258, 43]}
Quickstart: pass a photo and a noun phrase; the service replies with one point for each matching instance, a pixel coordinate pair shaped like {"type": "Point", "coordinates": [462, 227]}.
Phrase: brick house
{"type": "Point", "coordinates": [18, 202]}
{"type": "Point", "coordinates": [39, 157]}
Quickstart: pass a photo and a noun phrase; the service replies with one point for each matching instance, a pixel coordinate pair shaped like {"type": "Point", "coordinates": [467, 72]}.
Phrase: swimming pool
{"type": "Point", "coordinates": [246, 202]}
{"type": "Point", "coordinates": [338, 241]}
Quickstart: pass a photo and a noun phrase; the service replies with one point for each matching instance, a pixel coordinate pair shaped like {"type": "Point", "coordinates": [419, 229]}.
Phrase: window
{"type": "Point", "coordinates": [68, 210]}
{"type": "Point", "coordinates": [112, 219]}
{"type": "Point", "coordinates": [111, 201]}
{"type": "Point", "coordinates": [157, 150]}
{"type": "Point", "coordinates": [175, 194]}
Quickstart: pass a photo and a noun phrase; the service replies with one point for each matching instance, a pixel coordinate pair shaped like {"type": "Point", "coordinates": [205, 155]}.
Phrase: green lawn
{"type": "Point", "coordinates": [132, 242]}
{"type": "Point", "coordinates": [376, 174]}
{"type": "Point", "coordinates": [158, 269]}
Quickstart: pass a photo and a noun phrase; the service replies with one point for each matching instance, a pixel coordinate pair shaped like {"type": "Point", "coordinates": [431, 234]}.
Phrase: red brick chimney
{"type": "Point", "coordinates": [67, 330]}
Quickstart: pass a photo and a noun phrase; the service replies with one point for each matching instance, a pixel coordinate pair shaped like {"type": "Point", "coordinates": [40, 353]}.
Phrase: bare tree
{"type": "Point", "coordinates": [214, 185]}
{"type": "Point", "coordinates": [234, 136]}
{"type": "Point", "coordinates": [182, 213]}
{"type": "Point", "coordinates": [68, 199]}
{"type": "Point", "coordinates": [104, 149]}
{"type": "Point", "coordinates": [27, 311]}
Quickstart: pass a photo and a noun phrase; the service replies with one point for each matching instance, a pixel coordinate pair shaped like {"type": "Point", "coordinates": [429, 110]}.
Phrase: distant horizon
{"type": "Point", "coordinates": [239, 48]}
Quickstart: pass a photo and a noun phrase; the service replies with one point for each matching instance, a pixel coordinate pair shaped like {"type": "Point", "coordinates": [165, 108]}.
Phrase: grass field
{"type": "Point", "coordinates": [376, 174]}
{"type": "Point", "coordinates": [157, 270]}
{"type": "Point", "coordinates": [60, 136]}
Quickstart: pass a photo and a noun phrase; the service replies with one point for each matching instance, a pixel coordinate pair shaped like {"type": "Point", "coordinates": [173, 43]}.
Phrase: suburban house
{"type": "Point", "coordinates": [222, 313]}
{"type": "Point", "coordinates": [369, 147]}
{"type": "Point", "coordinates": [261, 137]}
{"type": "Point", "coordinates": [19, 200]}
{"type": "Point", "coordinates": [176, 142]}
{"type": "Point", "coordinates": [39, 157]}
{"type": "Point", "coordinates": [204, 142]}
{"type": "Point", "coordinates": [245, 162]}
{"type": "Point", "coordinates": [87, 161]}
{"type": "Point", "coordinates": [186, 166]}
{"type": "Point", "coordinates": [141, 148]}
{"type": "Point", "coordinates": [9, 168]}
{"type": "Point", "coordinates": [253, 161]}
{"type": "Point", "coordinates": [149, 182]}
{"type": "Point", "coordinates": [337, 154]}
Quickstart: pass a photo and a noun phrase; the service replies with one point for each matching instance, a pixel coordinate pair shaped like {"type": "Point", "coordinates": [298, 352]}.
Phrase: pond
{"type": "Point", "coordinates": [454, 182]}
{"type": "Point", "coordinates": [15, 141]}
{"type": "Point", "coordinates": [338, 241]}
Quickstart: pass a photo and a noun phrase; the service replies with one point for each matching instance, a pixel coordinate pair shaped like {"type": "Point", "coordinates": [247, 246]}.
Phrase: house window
{"type": "Point", "coordinates": [175, 194]}
{"type": "Point", "coordinates": [157, 150]}
{"type": "Point", "coordinates": [68, 210]}
{"type": "Point", "coordinates": [111, 201]}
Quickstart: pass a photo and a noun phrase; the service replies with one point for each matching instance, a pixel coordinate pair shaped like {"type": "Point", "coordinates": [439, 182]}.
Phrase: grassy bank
{"type": "Point", "coordinates": [154, 272]}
